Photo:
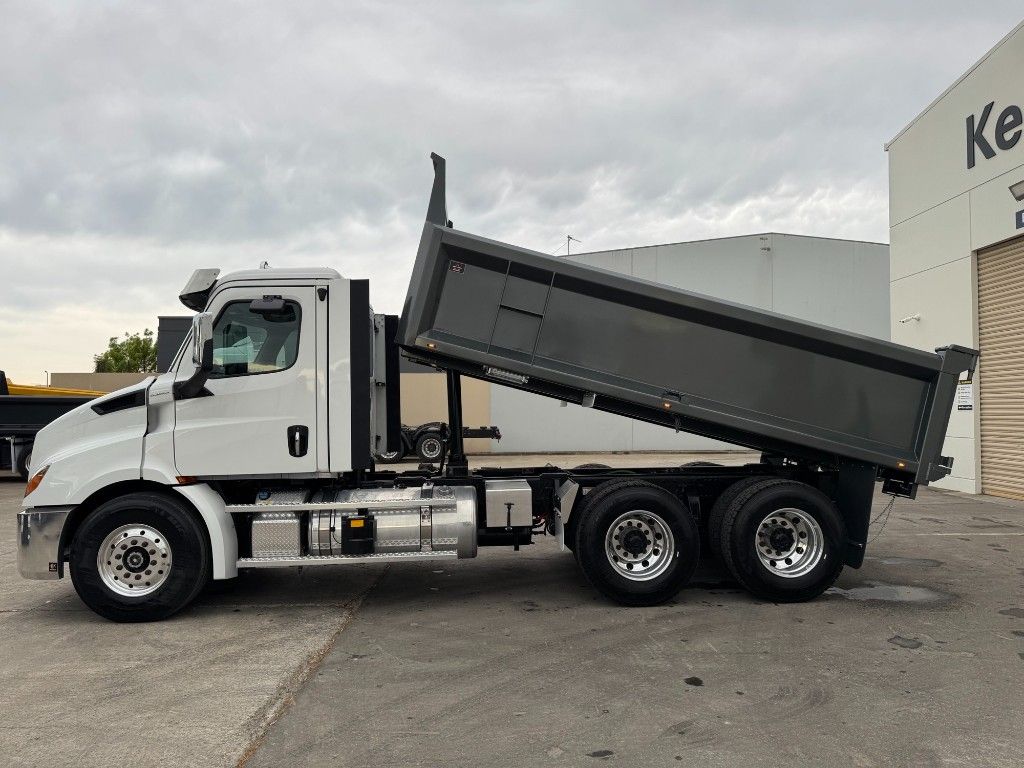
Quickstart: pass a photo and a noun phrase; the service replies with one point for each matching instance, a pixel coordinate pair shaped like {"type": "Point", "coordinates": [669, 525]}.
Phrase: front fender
{"type": "Point", "coordinates": [223, 539]}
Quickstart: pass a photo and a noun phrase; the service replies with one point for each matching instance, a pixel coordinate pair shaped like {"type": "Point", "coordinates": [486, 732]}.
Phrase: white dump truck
{"type": "Point", "coordinates": [256, 449]}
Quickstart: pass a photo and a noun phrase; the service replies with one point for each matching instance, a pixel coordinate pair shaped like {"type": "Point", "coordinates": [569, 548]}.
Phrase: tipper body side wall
{"type": "Point", "coordinates": [677, 358]}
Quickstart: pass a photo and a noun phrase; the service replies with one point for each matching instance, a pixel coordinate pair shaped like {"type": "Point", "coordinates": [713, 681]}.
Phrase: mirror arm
{"type": "Point", "coordinates": [202, 358]}
{"type": "Point", "coordinates": [195, 385]}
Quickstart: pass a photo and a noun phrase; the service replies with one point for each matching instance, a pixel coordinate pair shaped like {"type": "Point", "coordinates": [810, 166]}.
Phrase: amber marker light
{"type": "Point", "coordinates": [37, 478]}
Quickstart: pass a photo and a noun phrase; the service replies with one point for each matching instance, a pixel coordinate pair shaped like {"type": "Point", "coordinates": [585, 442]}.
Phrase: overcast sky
{"type": "Point", "coordinates": [143, 140]}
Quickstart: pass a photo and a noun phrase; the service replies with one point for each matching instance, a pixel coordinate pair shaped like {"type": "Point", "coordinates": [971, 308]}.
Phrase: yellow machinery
{"type": "Point", "coordinates": [38, 390]}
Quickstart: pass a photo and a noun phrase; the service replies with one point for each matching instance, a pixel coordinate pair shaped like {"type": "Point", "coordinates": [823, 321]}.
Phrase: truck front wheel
{"type": "Point", "coordinates": [783, 540]}
{"type": "Point", "coordinates": [139, 557]}
{"type": "Point", "coordinates": [637, 543]}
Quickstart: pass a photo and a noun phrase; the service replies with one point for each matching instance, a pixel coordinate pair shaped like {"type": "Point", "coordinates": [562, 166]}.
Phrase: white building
{"type": "Point", "coordinates": [840, 283]}
{"type": "Point", "coordinates": [956, 210]}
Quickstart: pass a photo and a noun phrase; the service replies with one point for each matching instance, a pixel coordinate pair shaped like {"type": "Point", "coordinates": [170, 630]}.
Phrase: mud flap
{"type": "Point", "coordinates": [854, 493]}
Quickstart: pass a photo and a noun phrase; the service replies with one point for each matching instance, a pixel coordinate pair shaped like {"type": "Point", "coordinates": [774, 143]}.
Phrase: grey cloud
{"type": "Point", "coordinates": [142, 140]}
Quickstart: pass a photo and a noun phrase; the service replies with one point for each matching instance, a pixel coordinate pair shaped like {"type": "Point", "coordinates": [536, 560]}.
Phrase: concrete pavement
{"type": "Point", "coordinates": [193, 691]}
{"type": "Point", "coordinates": [196, 690]}
{"type": "Point", "coordinates": [916, 659]}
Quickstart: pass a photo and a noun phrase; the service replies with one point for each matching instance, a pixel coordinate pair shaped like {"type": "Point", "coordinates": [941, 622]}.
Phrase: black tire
{"type": "Point", "coordinates": [581, 507]}
{"type": "Point", "coordinates": [739, 537]}
{"type": "Point", "coordinates": [591, 466]}
{"type": "Point", "coordinates": [430, 447]}
{"type": "Point", "coordinates": [392, 457]}
{"type": "Point", "coordinates": [607, 505]}
{"type": "Point", "coordinates": [713, 529]}
{"type": "Point", "coordinates": [24, 462]}
{"type": "Point", "coordinates": [189, 550]}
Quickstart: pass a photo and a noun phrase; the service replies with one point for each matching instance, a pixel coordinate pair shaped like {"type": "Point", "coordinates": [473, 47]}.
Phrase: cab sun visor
{"type": "Point", "coordinates": [196, 292]}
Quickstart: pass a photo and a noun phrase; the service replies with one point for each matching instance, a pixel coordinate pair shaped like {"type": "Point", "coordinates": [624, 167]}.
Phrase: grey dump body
{"type": "Point", "coordinates": [668, 356]}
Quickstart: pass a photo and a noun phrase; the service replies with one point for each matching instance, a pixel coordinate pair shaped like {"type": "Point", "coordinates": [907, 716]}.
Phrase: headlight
{"type": "Point", "coordinates": [35, 480]}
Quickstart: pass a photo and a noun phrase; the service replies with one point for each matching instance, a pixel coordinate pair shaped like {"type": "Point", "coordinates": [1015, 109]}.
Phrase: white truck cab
{"type": "Point", "coordinates": [271, 397]}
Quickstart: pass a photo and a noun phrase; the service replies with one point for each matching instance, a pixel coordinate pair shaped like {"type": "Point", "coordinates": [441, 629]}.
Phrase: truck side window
{"type": "Point", "coordinates": [247, 342]}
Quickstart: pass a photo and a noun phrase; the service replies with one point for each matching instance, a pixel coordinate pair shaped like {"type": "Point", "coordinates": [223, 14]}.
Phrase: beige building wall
{"type": "Point", "coordinates": [941, 212]}
{"type": "Point", "coordinates": [425, 398]}
{"type": "Point", "coordinates": [101, 382]}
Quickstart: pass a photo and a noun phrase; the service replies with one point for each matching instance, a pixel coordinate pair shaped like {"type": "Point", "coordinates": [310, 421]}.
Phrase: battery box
{"type": "Point", "coordinates": [357, 535]}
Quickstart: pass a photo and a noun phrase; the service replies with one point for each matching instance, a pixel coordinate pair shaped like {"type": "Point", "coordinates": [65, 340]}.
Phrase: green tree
{"type": "Point", "coordinates": [135, 353]}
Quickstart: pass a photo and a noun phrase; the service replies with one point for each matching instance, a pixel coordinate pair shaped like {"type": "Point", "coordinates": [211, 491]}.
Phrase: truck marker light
{"type": "Point", "coordinates": [431, 345]}
{"type": "Point", "coordinates": [37, 478]}
{"type": "Point", "coordinates": [502, 375]}
{"type": "Point", "coordinates": [667, 405]}
{"type": "Point", "coordinates": [901, 464]}
{"type": "Point", "coordinates": [356, 523]}
{"type": "Point", "coordinates": [185, 480]}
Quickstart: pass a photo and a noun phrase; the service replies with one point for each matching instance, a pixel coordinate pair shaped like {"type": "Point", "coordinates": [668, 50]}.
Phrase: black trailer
{"type": "Point", "coordinates": [21, 417]}
{"type": "Point", "coordinates": [832, 412]}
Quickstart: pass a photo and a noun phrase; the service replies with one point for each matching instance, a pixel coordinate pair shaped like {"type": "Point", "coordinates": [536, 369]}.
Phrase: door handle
{"type": "Point", "coordinates": [298, 440]}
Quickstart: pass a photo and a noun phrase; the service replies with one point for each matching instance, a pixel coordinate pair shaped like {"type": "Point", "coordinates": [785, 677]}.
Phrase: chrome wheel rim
{"type": "Point", "coordinates": [134, 560]}
{"type": "Point", "coordinates": [389, 455]}
{"type": "Point", "coordinates": [431, 448]}
{"type": "Point", "coordinates": [639, 545]}
{"type": "Point", "coordinates": [789, 542]}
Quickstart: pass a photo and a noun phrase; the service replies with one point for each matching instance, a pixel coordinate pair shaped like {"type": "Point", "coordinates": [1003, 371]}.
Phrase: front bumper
{"type": "Point", "coordinates": [39, 542]}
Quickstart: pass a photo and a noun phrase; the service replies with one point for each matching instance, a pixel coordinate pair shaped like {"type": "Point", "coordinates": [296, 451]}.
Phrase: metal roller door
{"type": "Point", "coordinates": [1001, 368]}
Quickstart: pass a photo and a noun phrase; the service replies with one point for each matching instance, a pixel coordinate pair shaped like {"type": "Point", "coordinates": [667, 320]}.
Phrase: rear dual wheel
{"type": "Point", "coordinates": [720, 507]}
{"type": "Point", "coordinates": [782, 540]}
{"type": "Point", "coordinates": [636, 542]}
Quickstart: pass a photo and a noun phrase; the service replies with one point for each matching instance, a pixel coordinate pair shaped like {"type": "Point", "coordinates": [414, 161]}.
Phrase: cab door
{"type": "Point", "coordinates": [260, 417]}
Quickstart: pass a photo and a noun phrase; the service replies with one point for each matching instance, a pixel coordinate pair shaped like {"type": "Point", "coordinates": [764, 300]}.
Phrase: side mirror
{"type": "Point", "coordinates": [202, 342]}
{"type": "Point", "coordinates": [202, 359]}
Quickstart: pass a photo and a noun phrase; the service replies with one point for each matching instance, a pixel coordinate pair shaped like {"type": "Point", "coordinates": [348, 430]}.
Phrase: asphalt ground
{"type": "Point", "coordinates": [916, 659]}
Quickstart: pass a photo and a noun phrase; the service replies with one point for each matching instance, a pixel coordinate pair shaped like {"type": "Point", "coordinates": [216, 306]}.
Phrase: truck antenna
{"type": "Point", "coordinates": [437, 211]}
